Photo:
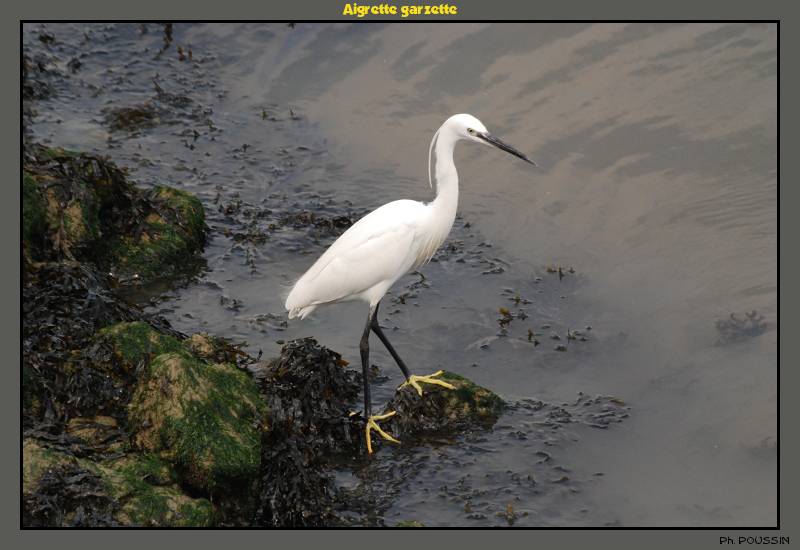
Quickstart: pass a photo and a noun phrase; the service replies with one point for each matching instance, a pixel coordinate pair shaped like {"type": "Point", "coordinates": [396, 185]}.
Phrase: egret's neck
{"type": "Point", "coordinates": [446, 200]}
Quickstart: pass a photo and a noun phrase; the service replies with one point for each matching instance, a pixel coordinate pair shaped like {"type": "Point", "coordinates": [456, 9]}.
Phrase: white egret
{"type": "Point", "coordinates": [368, 258]}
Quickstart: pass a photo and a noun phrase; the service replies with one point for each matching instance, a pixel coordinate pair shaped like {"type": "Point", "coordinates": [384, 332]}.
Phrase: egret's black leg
{"type": "Point", "coordinates": [372, 421]}
{"type": "Point", "coordinates": [364, 348]}
{"type": "Point", "coordinates": [411, 379]}
{"type": "Point", "coordinates": [377, 329]}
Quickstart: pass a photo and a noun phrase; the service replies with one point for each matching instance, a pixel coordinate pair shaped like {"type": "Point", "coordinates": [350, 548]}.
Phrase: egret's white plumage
{"type": "Point", "coordinates": [387, 243]}
{"type": "Point", "coordinates": [368, 258]}
{"type": "Point", "coordinates": [365, 261]}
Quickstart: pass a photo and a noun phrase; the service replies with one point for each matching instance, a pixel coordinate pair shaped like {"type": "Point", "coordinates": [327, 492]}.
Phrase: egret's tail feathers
{"type": "Point", "coordinates": [301, 312]}
{"type": "Point", "coordinates": [297, 305]}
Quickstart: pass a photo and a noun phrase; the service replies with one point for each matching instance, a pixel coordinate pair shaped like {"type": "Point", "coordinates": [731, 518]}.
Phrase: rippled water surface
{"type": "Point", "coordinates": [657, 196]}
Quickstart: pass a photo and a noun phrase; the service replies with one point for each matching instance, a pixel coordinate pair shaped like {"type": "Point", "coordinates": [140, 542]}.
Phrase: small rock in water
{"type": "Point", "coordinates": [443, 410]}
{"type": "Point", "coordinates": [410, 523]}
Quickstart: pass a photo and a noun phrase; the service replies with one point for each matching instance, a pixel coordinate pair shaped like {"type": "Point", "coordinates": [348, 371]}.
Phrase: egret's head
{"type": "Point", "coordinates": [468, 127]}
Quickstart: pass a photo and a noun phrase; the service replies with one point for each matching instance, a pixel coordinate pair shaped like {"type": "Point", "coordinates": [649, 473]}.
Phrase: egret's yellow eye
{"type": "Point", "coordinates": [471, 131]}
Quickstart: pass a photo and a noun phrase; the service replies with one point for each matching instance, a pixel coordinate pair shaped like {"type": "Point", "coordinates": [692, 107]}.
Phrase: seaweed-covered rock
{"type": "Point", "coordinates": [200, 421]}
{"type": "Point", "coordinates": [63, 305]}
{"type": "Point", "coordinates": [206, 419]}
{"type": "Point", "coordinates": [76, 381]}
{"type": "Point", "coordinates": [78, 206]}
{"type": "Point", "coordinates": [168, 237]}
{"type": "Point", "coordinates": [60, 490]}
{"type": "Point", "coordinates": [443, 410]}
{"type": "Point", "coordinates": [294, 488]}
{"type": "Point", "coordinates": [309, 390]}
{"type": "Point", "coordinates": [81, 196]}
{"type": "Point", "coordinates": [78, 401]}
{"type": "Point", "coordinates": [147, 488]}
{"type": "Point", "coordinates": [309, 393]}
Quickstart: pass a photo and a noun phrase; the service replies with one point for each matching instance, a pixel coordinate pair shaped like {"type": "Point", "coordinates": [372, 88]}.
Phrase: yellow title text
{"type": "Point", "coordinates": [363, 10]}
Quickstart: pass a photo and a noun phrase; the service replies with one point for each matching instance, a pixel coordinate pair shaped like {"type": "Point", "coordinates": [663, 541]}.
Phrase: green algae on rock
{"type": "Point", "coordinates": [60, 490]}
{"type": "Point", "coordinates": [205, 419]}
{"type": "Point", "coordinates": [153, 497]}
{"type": "Point", "coordinates": [184, 208]}
{"type": "Point", "coordinates": [470, 402]}
{"type": "Point", "coordinates": [171, 234]}
{"type": "Point", "coordinates": [137, 342]}
{"type": "Point", "coordinates": [442, 410]}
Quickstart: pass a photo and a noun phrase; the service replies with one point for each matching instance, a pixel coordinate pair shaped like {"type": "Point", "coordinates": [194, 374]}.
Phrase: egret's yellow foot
{"type": "Point", "coordinates": [414, 381]}
{"type": "Point", "coordinates": [372, 424]}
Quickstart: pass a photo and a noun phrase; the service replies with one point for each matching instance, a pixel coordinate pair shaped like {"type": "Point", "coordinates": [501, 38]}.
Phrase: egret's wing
{"type": "Point", "coordinates": [378, 248]}
{"type": "Point", "coordinates": [383, 258]}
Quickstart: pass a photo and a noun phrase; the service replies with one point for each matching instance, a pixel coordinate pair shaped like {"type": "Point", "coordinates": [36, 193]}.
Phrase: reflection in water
{"type": "Point", "coordinates": [658, 146]}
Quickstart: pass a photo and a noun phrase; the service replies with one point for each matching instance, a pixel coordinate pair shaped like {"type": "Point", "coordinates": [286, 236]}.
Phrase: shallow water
{"type": "Point", "coordinates": [658, 186]}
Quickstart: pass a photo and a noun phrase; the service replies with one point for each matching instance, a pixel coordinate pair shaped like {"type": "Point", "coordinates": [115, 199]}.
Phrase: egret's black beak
{"type": "Point", "coordinates": [500, 144]}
